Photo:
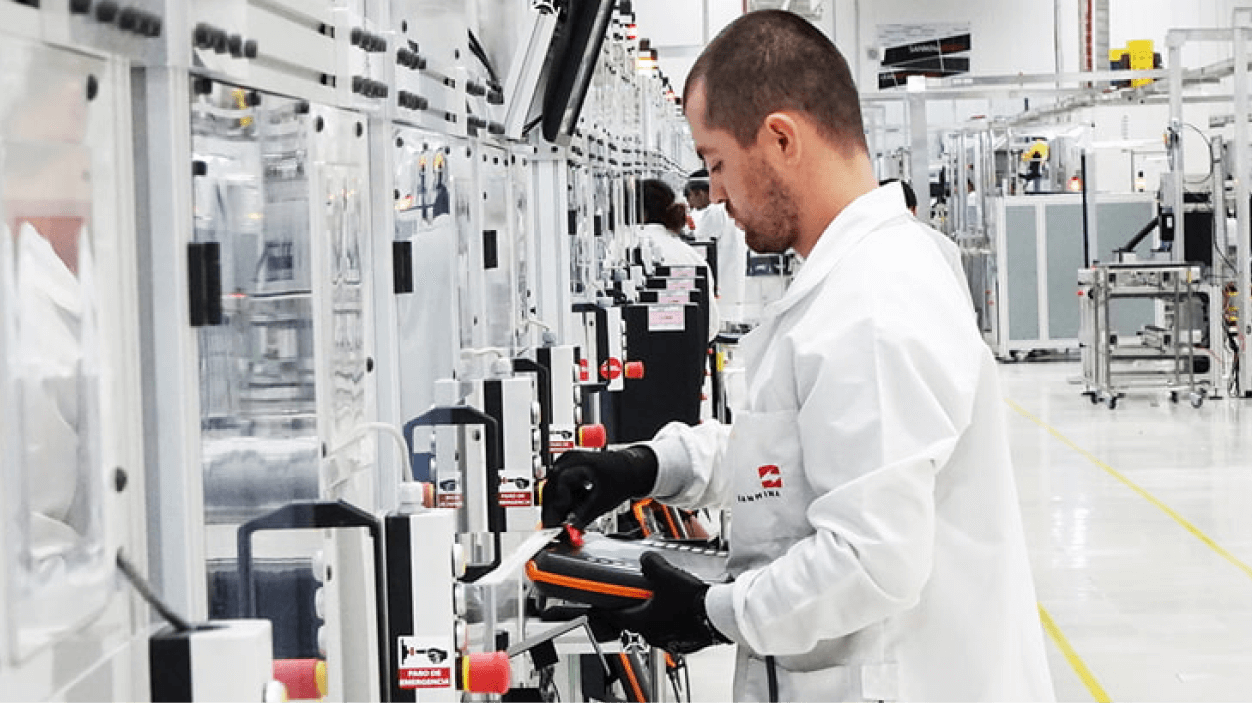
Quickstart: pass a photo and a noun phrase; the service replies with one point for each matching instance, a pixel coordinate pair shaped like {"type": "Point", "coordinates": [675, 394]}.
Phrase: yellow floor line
{"type": "Point", "coordinates": [1088, 679]}
{"type": "Point", "coordinates": [1132, 486]}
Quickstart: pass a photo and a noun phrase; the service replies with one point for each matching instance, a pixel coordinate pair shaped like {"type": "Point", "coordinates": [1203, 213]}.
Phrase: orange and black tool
{"type": "Point", "coordinates": [605, 571]}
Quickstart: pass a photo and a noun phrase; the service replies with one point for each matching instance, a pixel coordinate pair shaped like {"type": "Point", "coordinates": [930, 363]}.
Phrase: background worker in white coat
{"type": "Point", "coordinates": [712, 223]}
{"type": "Point", "coordinates": [876, 539]}
{"type": "Point", "coordinates": [661, 235]}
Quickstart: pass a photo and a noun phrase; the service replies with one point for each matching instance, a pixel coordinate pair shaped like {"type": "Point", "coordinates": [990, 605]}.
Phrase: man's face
{"type": "Point", "coordinates": [755, 194]}
{"type": "Point", "coordinates": [698, 199]}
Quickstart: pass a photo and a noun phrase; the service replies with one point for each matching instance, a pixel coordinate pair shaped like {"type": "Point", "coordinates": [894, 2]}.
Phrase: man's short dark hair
{"type": "Point", "coordinates": [769, 61]}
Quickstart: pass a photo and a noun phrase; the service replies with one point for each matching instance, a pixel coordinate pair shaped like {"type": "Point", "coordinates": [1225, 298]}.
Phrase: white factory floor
{"type": "Point", "coordinates": [1139, 525]}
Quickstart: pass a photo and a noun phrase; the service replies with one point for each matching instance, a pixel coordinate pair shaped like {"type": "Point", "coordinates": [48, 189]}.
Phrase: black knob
{"type": "Point", "coordinates": [220, 41]}
{"type": "Point", "coordinates": [355, 36]}
{"type": "Point", "coordinates": [495, 128]}
{"type": "Point", "coordinates": [404, 56]}
{"type": "Point", "coordinates": [106, 11]}
{"type": "Point", "coordinates": [80, 7]}
{"type": "Point", "coordinates": [250, 49]}
{"type": "Point", "coordinates": [302, 107]}
{"type": "Point", "coordinates": [152, 25]}
{"type": "Point", "coordinates": [495, 97]}
{"type": "Point", "coordinates": [202, 36]}
{"type": "Point", "coordinates": [474, 88]}
{"type": "Point", "coordinates": [128, 19]}
{"type": "Point", "coordinates": [358, 84]}
{"type": "Point", "coordinates": [235, 44]}
{"type": "Point", "coordinates": [199, 168]}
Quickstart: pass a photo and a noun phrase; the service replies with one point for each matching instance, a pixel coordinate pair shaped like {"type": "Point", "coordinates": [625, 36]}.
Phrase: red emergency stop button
{"type": "Point", "coordinates": [584, 371]}
{"type": "Point", "coordinates": [592, 436]}
{"type": "Point", "coordinates": [611, 368]}
{"type": "Point", "coordinates": [484, 672]}
{"type": "Point", "coordinates": [305, 679]}
{"type": "Point", "coordinates": [634, 369]}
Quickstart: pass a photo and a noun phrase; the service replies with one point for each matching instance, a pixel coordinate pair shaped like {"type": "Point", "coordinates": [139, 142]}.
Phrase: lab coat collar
{"type": "Point", "coordinates": [854, 223]}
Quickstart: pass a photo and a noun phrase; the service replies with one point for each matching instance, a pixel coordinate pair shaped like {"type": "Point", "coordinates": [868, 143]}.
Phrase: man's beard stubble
{"type": "Point", "coordinates": [779, 224]}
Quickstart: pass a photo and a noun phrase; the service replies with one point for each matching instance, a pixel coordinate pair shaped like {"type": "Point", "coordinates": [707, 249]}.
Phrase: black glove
{"type": "Point", "coordinates": [674, 618]}
{"type": "Point", "coordinates": [582, 486]}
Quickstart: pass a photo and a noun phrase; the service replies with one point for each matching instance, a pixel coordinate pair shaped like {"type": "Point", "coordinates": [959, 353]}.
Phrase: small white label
{"type": "Point", "coordinates": [425, 662]}
{"type": "Point", "coordinates": [682, 271]}
{"type": "Point", "coordinates": [673, 284]}
{"type": "Point", "coordinates": [668, 298]}
{"type": "Point", "coordinates": [665, 318]}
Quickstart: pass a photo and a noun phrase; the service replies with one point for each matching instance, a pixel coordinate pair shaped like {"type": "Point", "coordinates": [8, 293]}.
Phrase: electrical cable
{"type": "Point", "coordinates": [359, 433]}
{"type": "Point", "coordinates": [132, 575]}
{"type": "Point", "coordinates": [476, 48]}
{"type": "Point", "coordinates": [1208, 143]}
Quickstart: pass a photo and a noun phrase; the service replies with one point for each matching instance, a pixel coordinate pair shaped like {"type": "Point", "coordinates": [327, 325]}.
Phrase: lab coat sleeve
{"type": "Point", "coordinates": [688, 461]}
{"type": "Point", "coordinates": [883, 401]}
{"type": "Point", "coordinates": [715, 315]}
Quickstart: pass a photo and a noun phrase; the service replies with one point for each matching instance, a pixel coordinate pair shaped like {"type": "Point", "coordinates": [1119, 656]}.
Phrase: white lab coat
{"type": "Point", "coordinates": [52, 313]}
{"type": "Point", "coordinates": [876, 536]}
{"type": "Point", "coordinates": [668, 249]}
{"type": "Point", "coordinates": [732, 259]}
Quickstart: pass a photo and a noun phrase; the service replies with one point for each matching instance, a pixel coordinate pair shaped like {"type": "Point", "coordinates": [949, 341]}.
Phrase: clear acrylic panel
{"type": "Point", "coordinates": [346, 212]}
{"type": "Point", "coordinates": [426, 319]}
{"type": "Point", "coordinates": [57, 574]}
{"type": "Point", "coordinates": [258, 414]}
{"type": "Point", "coordinates": [497, 258]}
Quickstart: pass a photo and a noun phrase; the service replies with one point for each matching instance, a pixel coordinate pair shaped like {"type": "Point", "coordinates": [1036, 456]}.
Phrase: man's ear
{"type": "Point", "coordinates": [780, 135]}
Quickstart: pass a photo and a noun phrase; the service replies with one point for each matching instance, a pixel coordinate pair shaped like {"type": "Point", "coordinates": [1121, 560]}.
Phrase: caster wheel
{"type": "Point", "coordinates": [1112, 402]}
{"type": "Point", "coordinates": [1197, 400]}
{"type": "Point", "coordinates": [1173, 396]}
{"type": "Point", "coordinates": [1095, 399]}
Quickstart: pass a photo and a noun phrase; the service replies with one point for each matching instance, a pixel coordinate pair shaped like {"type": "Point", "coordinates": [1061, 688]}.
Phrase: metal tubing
{"type": "Point", "coordinates": [1242, 214]}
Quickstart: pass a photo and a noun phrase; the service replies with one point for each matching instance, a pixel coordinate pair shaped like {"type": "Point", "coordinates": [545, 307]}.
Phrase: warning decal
{"type": "Point", "coordinates": [423, 665]}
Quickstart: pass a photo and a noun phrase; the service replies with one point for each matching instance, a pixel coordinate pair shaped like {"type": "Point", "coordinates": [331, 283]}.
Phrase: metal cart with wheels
{"type": "Point", "coordinates": [1159, 357]}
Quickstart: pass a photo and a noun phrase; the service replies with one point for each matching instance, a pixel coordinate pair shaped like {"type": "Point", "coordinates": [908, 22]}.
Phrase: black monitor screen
{"type": "Point", "coordinates": [581, 34]}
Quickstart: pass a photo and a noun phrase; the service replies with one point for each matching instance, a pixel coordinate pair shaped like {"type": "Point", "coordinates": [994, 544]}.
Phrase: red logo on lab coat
{"type": "Point", "coordinates": [771, 477]}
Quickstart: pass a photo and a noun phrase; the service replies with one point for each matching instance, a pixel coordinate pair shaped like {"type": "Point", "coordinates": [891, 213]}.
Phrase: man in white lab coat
{"type": "Point", "coordinates": [876, 540]}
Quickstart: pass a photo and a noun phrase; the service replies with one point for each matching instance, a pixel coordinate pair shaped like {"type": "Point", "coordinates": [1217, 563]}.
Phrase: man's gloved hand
{"type": "Point", "coordinates": [674, 618]}
{"type": "Point", "coordinates": [582, 486]}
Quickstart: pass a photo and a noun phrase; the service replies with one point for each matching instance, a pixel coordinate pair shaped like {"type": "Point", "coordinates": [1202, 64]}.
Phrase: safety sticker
{"type": "Point", "coordinates": [673, 284]}
{"type": "Point", "coordinates": [663, 318]}
{"type": "Point", "coordinates": [424, 663]}
{"type": "Point", "coordinates": [515, 499]}
{"type": "Point", "coordinates": [682, 271]}
{"type": "Point", "coordinates": [673, 298]}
